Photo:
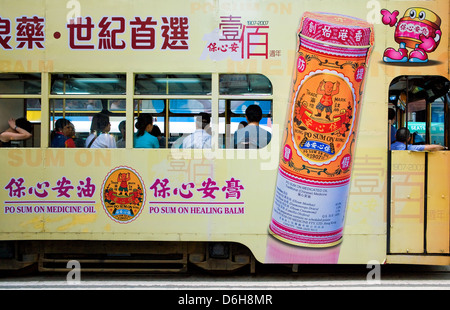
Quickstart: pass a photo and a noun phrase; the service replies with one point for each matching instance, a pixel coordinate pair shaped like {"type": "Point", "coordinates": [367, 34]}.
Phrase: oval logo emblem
{"type": "Point", "coordinates": [123, 195]}
{"type": "Point", "coordinates": [323, 116]}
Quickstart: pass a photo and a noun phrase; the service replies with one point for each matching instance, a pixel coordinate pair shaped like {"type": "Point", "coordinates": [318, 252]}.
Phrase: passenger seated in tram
{"type": "Point", "coordinates": [143, 138]}
{"type": "Point", "coordinates": [100, 137]}
{"type": "Point", "coordinates": [393, 129]}
{"type": "Point", "coordinates": [200, 138]}
{"type": "Point", "coordinates": [121, 142]}
{"type": "Point", "coordinates": [404, 141]}
{"type": "Point", "coordinates": [62, 134]}
{"type": "Point", "coordinates": [158, 134]}
{"type": "Point", "coordinates": [252, 136]}
{"type": "Point", "coordinates": [19, 129]}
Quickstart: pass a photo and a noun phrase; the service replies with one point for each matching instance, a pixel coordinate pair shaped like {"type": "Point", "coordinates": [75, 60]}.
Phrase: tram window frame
{"type": "Point", "coordinates": [416, 98]}
{"type": "Point", "coordinates": [21, 96]}
{"type": "Point", "coordinates": [230, 113]}
{"type": "Point", "coordinates": [101, 89]}
{"type": "Point", "coordinates": [246, 88]}
{"type": "Point", "coordinates": [174, 139]}
{"type": "Point", "coordinates": [88, 84]}
{"type": "Point", "coordinates": [77, 116]}
{"type": "Point", "coordinates": [244, 84]}
{"type": "Point", "coordinates": [10, 83]}
{"type": "Point", "coordinates": [173, 84]}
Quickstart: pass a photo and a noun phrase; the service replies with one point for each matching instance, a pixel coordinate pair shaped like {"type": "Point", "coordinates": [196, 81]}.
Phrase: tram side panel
{"type": "Point", "coordinates": [198, 195]}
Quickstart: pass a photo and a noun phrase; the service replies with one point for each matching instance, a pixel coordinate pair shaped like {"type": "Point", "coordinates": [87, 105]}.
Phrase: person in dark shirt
{"type": "Point", "coordinates": [62, 135]}
{"type": "Point", "coordinates": [252, 136]}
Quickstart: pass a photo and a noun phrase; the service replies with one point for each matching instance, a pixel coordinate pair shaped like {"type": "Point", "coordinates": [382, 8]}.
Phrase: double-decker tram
{"type": "Point", "coordinates": [148, 136]}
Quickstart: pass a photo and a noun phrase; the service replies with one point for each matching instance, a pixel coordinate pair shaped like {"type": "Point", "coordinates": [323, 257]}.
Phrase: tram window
{"type": "Point", "coordinates": [117, 105]}
{"type": "Point", "coordinates": [244, 84]}
{"type": "Point", "coordinates": [156, 108]}
{"type": "Point", "coordinates": [16, 84]}
{"type": "Point", "coordinates": [421, 102]}
{"type": "Point", "coordinates": [75, 105]}
{"type": "Point", "coordinates": [16, 108]}
{"type": "Point", "coordinates": [182, 119]}
{"type": "Point", "coordinates": [80, 112]}
{"type": "Point", "coordinates": [173, 84]}
{"type": "Point", "coordinates": [150, 106]}
{"type": "Point", "coordinates": [235, 113]}
{"type": "Point", "coordinates": [176, 116]}
{"type": "Point", "coordinates": [29, 83]}
{"type": "Point", "coordinates": [88, 84]}
{"type": "Point", "coordinates": [416, 117]}
{"type": "Point", "coordinates": [437, 122]}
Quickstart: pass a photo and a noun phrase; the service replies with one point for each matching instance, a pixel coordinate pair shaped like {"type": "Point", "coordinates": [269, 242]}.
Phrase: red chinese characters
{"type": "Point", "coordinates": [63, 188]}
{"type": "Point", "coordinates": [29, 33]}
{"type": "Point", "coordinates": [5, 33]}
{"type": "Point", "coordinates": [208, 189]}
{"type": "Point", "coordinates": [143, 33]}
{"type": "Point", "coordinates": [236, 38]}
{"type": "Point", "coordinates": [174, 32]}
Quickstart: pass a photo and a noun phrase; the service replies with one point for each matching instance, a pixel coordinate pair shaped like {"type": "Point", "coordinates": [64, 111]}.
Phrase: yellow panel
{"type": "Point", "coordinates": [407, 202]}
{"type": "Point", "coordinates": [438, 229]}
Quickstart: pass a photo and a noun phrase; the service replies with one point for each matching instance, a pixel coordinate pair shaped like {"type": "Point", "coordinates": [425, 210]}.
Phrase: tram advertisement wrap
{"type": "Point", "coordinates": [323, 178]}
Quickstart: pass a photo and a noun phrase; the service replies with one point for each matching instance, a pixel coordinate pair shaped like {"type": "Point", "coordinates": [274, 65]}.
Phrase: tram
{"type": "Point", "coordinates": [168, 208]}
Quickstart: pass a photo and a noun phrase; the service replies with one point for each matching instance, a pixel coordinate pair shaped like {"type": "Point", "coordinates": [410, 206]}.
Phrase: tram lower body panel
{"type": "Point", "coordinates": [62, 198]}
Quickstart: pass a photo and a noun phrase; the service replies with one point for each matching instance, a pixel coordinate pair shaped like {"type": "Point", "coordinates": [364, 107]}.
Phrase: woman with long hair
{"type": "Point", "coordinates": [100, 137]}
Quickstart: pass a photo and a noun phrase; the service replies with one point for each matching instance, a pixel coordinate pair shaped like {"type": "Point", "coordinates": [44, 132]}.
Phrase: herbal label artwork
{"type": "Point", "coordinates": [320, 138]}
{"type": "Point", "coordinates": [322, 116]}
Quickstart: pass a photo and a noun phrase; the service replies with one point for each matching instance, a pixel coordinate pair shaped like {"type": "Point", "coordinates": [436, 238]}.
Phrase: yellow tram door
{"type": "Point", "coordinates": [419, 181]}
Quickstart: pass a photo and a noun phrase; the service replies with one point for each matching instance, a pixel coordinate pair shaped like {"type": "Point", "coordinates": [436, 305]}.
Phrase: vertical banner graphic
{"type": "Point", "coordinates": [319, 141]}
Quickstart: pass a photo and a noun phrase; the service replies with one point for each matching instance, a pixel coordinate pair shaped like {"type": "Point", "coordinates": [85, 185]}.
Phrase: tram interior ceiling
{"type": "Point", "coordinates": [419, 87]}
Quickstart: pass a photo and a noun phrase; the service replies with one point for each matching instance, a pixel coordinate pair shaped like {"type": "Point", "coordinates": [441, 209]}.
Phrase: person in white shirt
{"type": "Point", "coordinates": [100, 137]}
{"type": "Point", "coordinates": [200, 138]}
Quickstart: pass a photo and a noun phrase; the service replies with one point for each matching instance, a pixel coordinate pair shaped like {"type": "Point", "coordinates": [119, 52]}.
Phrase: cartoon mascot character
{"type": "Point", "coordinates": [419, 29]}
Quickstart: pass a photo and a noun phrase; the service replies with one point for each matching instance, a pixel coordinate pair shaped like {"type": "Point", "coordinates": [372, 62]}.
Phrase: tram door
{"type": "Point", "coordinates": [419, 182]}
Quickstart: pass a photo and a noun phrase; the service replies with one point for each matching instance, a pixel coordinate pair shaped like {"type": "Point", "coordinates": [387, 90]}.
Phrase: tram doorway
{"type": "Point", "coordinates": [418, 181]}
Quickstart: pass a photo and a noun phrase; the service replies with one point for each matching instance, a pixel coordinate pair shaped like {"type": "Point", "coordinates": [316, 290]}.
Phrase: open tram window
{"type": "Point", "coordinates": [186, 117]}
{"type": "Point", "coordinates": [421, 105]}
{"type": "Point", "coordinates": [177, 100]}
{"type": "Point", "coordinates": [173, 109]}
{"type": "Point", "coordinates": [238, 92]}
{"type": "Point", "coordinates": [79, 112]}
{"type": "Point", "coordinates": [77, 98]}
{"type": "Point", "coordinates": [26, 109]}
{"type": "Point", "coordinates": [155, 107]}
{"type": "Point", "coordinates": [235, 118]}
{"type": "Point", "coordinates": [175, 119]}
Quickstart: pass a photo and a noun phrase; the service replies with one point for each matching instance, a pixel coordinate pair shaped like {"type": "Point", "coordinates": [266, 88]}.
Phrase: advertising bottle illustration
{"type": "Point", "coordinates": [319, 141]}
